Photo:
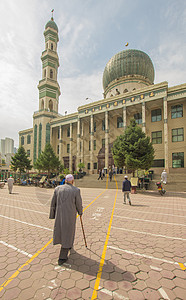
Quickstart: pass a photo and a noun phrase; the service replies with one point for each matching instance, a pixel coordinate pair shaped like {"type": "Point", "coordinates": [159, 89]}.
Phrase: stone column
{"type": "Point", "coordinates": [165, 133]}
{"type": "Point", "coordinates": [124, 117]}
{"type": "Point", "coordinates": [60, 143]}
{"type": "Point", "coordinates": [78, 143]}
{"type": "Point", "coordinates": [82, 142]}
{"type": "Point", "coordinates": [106, 142]}
{"type": "Point", "coordinates": [91, 143]}
{"type": "Point", "coordinates": [143, 117]}
{"type": "Point", "coordinates": [70, 154]}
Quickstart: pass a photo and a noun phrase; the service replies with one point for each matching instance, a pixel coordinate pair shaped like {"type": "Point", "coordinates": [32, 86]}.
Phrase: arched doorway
{"type": "Point", "coordinates": [101, 157]}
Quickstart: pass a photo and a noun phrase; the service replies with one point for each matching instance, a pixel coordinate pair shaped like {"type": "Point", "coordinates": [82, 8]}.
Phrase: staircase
{"type": "Point", "coordinates": [175, 182]}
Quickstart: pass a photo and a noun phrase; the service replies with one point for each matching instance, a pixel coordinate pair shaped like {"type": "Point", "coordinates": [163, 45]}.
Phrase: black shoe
{"type": "Point", "coordinates": [62, 261]}
{"type": "Point", "coordinates": [130, 203]}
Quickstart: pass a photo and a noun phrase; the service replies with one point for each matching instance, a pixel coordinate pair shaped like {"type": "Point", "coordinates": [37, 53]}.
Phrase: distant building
{"type": "Point", "coordinates": [87, 136]}
{"type": "Point", "coordinates": [7, 149]}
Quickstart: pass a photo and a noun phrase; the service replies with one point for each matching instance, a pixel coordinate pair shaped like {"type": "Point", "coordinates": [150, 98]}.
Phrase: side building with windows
{"type": "Point", "coordinates": [88, 134]}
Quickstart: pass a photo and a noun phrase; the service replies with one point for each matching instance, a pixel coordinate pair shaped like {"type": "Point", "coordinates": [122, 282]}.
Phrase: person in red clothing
{"type": "Point", "coordinates": [126, 189]}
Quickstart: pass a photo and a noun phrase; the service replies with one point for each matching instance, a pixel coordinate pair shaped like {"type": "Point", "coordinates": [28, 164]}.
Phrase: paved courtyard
{"type": "Point", "coordinates": [134, 252]}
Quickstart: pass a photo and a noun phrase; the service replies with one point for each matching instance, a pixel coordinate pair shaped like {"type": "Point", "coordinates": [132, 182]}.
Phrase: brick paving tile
{"type": "Point", "coordinates": [12, 293]}
{"type": "Point", "coordinates": [152, 283]}
{"type": "Point", "coordinates": [63, 275]}
{"type": "Point", "coordinates": [179, 274]}
{"type": "Point", "coordinates": [110, 285]}
{"type": "Point", "coordinates": [27, 293]}
{"type": "Point", "coordinates": [12, 267]}
{"type": "Point", "coordinates": [167, 274]}
{"type": "Point", "coordinates": [139, 285]}
{"type": "Point", "coordinates": [25, 283]}
{"type": "Point", "coordinates": [77, 275]}
{"type": "Point", "coordinates": [179, 292]}
{"type": "Point", "coordinates": [155, 275]}
{"type": "Point", "coordinates": [115, 276]}
{"type": "Point", "coordinates": [135, 295]}
{"type": "Point", "coordinates": [58, 293]}
{"type": "Point", "coordinates": [167, 283]}
{"type": "Point", "coordinates": [180, 282]}
{"type": "Point", "coordinates": [128, 276]}
{"type": "Point", "coordinates": [14, 283]}
{"type": "Point", "coordinates": [50, 275]}
{"type": "Point", "coordinates": [142, 275]}
{"type": "Point", "coordinates": [68, 283]}
{"type": "Point", "coordinates": [151, 294]}
{"type": "Point", "coordinates": [87, 294]}
{"type": "Point", "coordinates": [25, 274]}
{"type": "Point", "coordinates": [82, 284]}
{"type": "Point", "coordinates": [132, 269]}
{"type": "Point", "coordinates": [125, 285]}
{"type": "Point", "coordinates": [43, 293]}
{"type": "Point", "coordinates": [73, 293]}
{"type": "Point", "coordinates": [104, 296]}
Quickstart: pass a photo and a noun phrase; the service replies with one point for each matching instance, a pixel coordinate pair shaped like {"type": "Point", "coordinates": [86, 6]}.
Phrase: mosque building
{"type": "Point", "coordinates": [87, 135]}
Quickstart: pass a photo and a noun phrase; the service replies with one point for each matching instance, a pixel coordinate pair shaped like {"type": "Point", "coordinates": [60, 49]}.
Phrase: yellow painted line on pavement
{"type": "Point", "coordinates": [21, 268]}
{"type": "Point", "coordinates": [96, 286]}
{"type": "Point", "coordinates": [16, 273]}
{"type": "Point", "coordinates": [182, 266]}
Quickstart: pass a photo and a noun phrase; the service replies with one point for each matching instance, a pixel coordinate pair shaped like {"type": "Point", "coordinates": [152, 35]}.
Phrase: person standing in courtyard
{"type": "Point", "coordinates": [110, 175]}
{"type": "Point", "coordinates": [10, 182]}
{"type": "Point", "coordinates": [126, 187]}
{"type": "Point", "coordinates": [66, 203]}
{"type": "Point", "coordinates": [164, 177]}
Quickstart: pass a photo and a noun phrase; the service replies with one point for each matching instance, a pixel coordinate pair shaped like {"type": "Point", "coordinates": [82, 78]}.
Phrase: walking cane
{"type": "Point", "coordinates": [83, 231]}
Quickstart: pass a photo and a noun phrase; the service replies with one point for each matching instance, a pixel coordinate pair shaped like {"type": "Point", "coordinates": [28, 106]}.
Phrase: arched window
{"type": "Point", "coordinates": [125, 91]}
{"type": "Point", "coordinates": [46, 45]}
{"type": "Point", "coordinates": [51, 73]}
{"type": "Point", "coordinates": [47, 133]}
{"type": "Point", "coordinates": [52, 46]}
{"type": "Point", "coordinates": [28, 139]}
{"type": "Point", "coordinates": [50, 105]}
{"type": "Point", "coordinates": [22, 140]}
{"type": "Point", "coordinates": [44, 73]}
{"type": "Point", "coordinates": [42, 104]}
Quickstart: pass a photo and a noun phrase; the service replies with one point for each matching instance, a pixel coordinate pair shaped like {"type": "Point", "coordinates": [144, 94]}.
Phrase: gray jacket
{"type": "Point", "coordinates": [66, 203]}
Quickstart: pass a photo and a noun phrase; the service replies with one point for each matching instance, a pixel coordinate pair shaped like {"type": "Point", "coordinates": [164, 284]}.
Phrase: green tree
{"type": "Point", "coordinates": [20, 162]}
{"type": "Point", "coordinates": [81, 166]}
{"type": "Point", "coordinates": [133, 149]}
{"type": "Point", "coordinates": [48, 161]}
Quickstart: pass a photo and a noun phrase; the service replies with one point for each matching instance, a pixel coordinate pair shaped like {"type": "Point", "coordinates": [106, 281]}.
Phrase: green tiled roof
{"type": "Point", "coordinates": [51, 24]}
{"type": "Point", "coordinates": [128, 62]}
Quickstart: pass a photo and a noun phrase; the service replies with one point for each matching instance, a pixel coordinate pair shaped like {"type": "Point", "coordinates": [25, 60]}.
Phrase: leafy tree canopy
{"type": "Point", "coordinates": [20, 161]}
{"type": "Point", "coordinates": [48, 161]}
{"type": "Point", "coordinates": [133, 149]}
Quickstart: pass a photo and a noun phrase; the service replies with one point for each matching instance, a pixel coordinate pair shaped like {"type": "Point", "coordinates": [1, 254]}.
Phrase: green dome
{"type": "Point", "coordinates": [126, 63]}
{"type": "Point", "coordinates": [51, 24]}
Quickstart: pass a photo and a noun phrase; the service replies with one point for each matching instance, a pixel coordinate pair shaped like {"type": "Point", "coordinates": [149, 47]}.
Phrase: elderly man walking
{"type": "Point", "coordinates": [10, 182]}
{"type": "Point", "coordinates": [126, 189]}
{"type": "Point", "coordinates": [66, 203]}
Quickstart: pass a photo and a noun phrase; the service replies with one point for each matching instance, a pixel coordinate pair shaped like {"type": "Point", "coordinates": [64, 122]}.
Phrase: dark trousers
{"type": "Point", "coordinates": [63, 253]}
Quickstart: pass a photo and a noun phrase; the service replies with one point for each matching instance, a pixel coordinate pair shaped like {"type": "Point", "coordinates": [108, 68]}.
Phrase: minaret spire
{"type": "Point", "coordinates": [52, 18]}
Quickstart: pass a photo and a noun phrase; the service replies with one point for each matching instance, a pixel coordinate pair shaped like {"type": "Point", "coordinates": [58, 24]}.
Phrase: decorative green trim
{"type": "Point", "coordinates": [47, 133]}
{"type": "Point", "coordinates": [40, 137]}
{"type": "Point", "coordinates": [48, 56]}
{"type": "Point", "coordinates": [48, 31]}
{"type": "Point", "coordinates": [47, 86]}
{"type": "Point", "coordinates": [44, 115]}
{"type": "Point", "coordinates": [50, 38]}
{"type": "Point", "coordinates": [47, 94]}
{"type": "Point", "coordinates": [35, 142]}
{"type": "Point", "coordinates": [48, 63]}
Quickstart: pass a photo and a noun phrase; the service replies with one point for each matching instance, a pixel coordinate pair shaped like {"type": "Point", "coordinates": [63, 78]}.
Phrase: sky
{"type": "Point", "coordinates": [90, 33]}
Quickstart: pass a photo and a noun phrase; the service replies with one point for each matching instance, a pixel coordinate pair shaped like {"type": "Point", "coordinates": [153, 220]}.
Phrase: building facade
{"type": "Point", "coordinates": [87, 136]}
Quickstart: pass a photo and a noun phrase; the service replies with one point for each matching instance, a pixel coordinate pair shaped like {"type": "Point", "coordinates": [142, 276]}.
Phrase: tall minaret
{"type": "Point", "coordinates": [49, 90]}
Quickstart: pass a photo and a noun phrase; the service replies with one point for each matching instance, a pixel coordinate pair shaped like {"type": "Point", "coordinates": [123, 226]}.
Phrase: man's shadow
{"type": "Point", "coordinates": [89, 266]}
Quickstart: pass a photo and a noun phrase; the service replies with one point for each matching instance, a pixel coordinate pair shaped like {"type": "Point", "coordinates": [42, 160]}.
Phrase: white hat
{"type": "Point", "coordinates": [69, 177]}
{"type": "Point", "coordinates": [126, 176]}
